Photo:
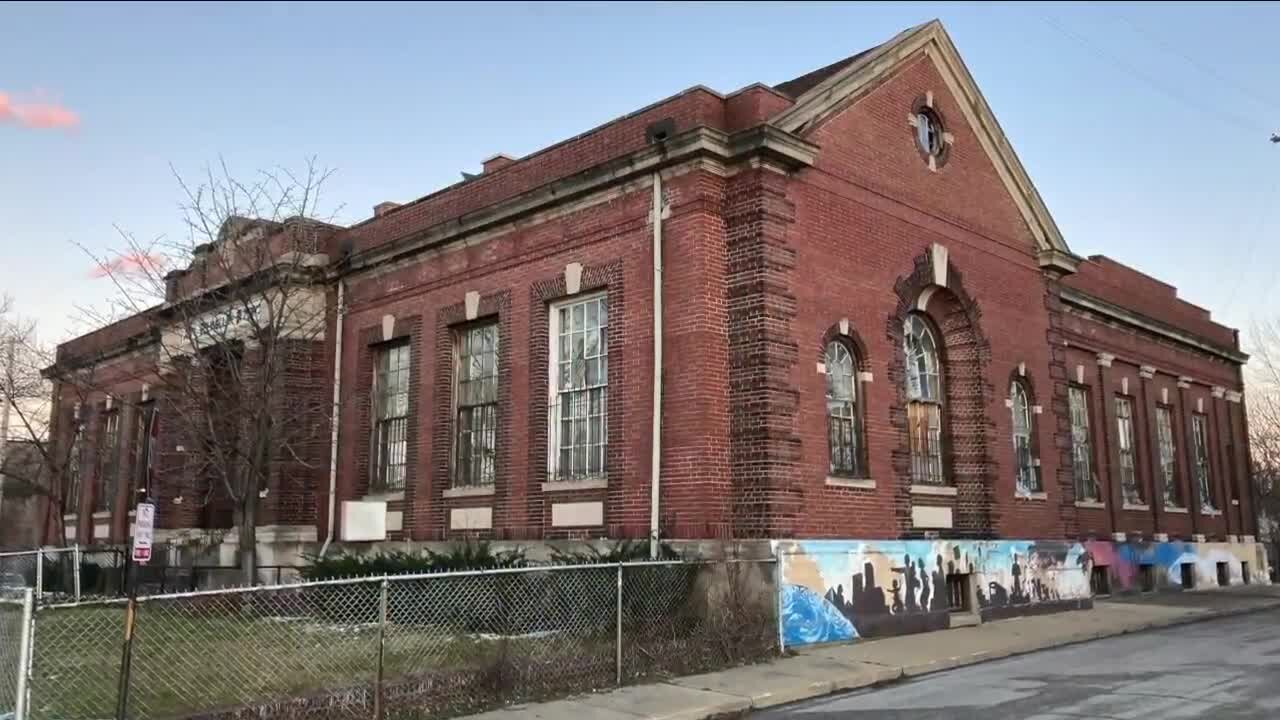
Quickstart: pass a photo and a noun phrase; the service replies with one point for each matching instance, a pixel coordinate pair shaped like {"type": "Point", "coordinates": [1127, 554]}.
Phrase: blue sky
{"type": "Point", "coordinates": [1144, 126]}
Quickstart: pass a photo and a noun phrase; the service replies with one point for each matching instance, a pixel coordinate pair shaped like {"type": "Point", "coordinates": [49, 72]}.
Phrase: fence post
{"type": "Point", "coordinates": [382, 651]}
{"type": "Point", "coordinates": [126, 658]}
{"type": "Point", "coordinates": [39, 574]}
{"type": "Point", "coordinates": [618, 640]}
{"type": "Point", "coordinates": [25, 653]}
{"type": "Point", "coordinates": [75, 559]}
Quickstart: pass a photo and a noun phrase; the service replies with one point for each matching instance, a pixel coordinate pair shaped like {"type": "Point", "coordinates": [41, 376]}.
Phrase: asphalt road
{"type": "Point", "coordinates": [1222, 669]}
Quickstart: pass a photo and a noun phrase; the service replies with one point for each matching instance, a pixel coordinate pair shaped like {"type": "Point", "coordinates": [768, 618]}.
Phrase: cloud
{"type": "Point", "coordinates": [38, 114]}
{"type": "Point", "coordinates": [130, 264]}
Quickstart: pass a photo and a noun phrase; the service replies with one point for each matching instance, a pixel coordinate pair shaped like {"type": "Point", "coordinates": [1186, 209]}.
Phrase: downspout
{"type": "Point", "coordinates": [655, 480]}
{"type": "Point", "coordinates": [337, 406]}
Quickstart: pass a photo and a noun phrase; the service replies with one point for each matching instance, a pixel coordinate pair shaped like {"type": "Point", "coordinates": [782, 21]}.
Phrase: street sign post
{"type": "Point", "coordinates": [144, 522]}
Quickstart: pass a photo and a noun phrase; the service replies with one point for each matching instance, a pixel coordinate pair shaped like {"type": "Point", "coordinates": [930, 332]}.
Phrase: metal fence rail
{"type": "Point", "coordinates": [408, 646]}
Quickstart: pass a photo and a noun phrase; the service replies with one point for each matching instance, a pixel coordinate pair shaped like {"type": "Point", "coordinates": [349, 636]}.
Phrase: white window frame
{"type": "Point", "coordinates": [1126, 449]}
{"type": "Point", "coordinates": [1087, 489]}
{"type": "Point", "coordinates": [487, 474]}
{"type": "Point", "coordinates": [1204, 473]}
{"type": "Point", "coordinates": [844, 411]}
{"type": "Point", "coordinates": [382, 446]}
{"type": "Point", "coordinates": [924, 404]}
{"type": "Point", "coordinates": [1168, 445]}
{"type": "Point", "coordinates": [109, 465]}
{"type": "Point", "coordinates": [556, 473]}
{"type": "Point", "coordinates": [1026, 474]}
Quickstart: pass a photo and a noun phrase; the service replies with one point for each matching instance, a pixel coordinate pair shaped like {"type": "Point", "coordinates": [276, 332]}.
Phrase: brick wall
{"type": "Point", "coordinates": [762, 268]}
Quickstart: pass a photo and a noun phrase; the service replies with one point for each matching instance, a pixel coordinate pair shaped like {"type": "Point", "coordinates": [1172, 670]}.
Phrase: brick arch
{"type": "Point", "coordinates": [965, 354]}
{"type": "Point", "coordinates": [852, 339]}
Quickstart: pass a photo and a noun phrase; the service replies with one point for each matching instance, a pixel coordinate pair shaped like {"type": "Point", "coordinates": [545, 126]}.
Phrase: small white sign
{"type": "Point", "coordinates": [142, 532]}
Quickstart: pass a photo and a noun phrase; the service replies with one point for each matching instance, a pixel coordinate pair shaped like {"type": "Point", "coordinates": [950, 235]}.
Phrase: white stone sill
{"type": "Point", "coordinates": [572, 485]}
{"type": "Point", "coordinates": [385, 496]}
{"type": "Point", "coordinates": [1132, 506]}
{"type": "Point", "coordinates": [947, 490]}
{"type": "Point", "coordinates": [1035, 496]}
{"type": "Point", "coordinates": [1091, 505]}
{"type": "Point", "coordinates": [1210, 513]}
{"type": "Point", "coordinates": [1179, 510]}
{"type": "Point", "coordinates": [458, 492]}
{"type": "Point", "coordinates": [857, 483]}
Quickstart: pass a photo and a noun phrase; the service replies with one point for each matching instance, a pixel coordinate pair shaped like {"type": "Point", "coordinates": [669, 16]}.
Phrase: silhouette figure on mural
{"type": "Point", "coordinates": [896, 589]}
{"type": "Point", "coordinates": [912, 583]}
{"type": "Point", "coordinates": [1015, 593]}
{"type": "Point", "coordinates": [939, 586]}
{"type": "Point", "coordinates": [924, 587]}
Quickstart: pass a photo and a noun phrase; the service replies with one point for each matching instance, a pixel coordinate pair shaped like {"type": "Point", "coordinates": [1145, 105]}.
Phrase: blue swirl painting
{"type": "Point", "coordinates": [808, 618]}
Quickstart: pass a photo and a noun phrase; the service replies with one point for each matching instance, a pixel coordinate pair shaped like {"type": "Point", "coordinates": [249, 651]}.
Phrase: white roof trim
{"type": "Point", "coordinates": [835, 93]}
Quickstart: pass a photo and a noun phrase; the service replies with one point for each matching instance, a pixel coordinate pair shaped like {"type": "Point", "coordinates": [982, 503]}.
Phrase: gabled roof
{"type": "Point", "coordinates": [825, 91]}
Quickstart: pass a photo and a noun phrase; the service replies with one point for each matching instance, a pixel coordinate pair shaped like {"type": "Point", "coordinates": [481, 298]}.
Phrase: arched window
{"type": "Point", "coordinates": [1024, 466]}
{"type": "Point", "coordinates": [844, 426]}
{"type": "Point", "coordinates": [924, 400]}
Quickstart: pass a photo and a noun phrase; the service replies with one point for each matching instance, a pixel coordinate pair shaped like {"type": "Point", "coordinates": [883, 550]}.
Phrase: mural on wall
{"type": "Point", "coordinates": [835, 590]}
{"type": "Point", "coordinates": [1125, 560]}
{"type": "Point", "coordinates": [845, 590]}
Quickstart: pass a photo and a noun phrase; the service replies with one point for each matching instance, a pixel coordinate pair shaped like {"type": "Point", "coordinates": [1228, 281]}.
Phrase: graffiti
{"type": "Point", "coordinates": [836, 590]}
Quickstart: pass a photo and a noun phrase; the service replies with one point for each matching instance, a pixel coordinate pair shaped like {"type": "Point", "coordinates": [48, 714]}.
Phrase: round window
{"type": "Point", "coordinates": [929, 132]}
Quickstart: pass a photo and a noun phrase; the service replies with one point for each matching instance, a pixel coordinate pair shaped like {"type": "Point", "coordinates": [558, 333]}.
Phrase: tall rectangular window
{"type": "Point", "coordinates": [109, 462]}
{"type": "Point", "coordinates": [476, 416]}
{"type": "Point", "coordinates": [1200, 442]}
{"type": "Point", "coordinates": [579, 391]}
{"type": "Point", "coordinates": [1082, 446]}
{"type": "Point", "coordinates": [1168, 457]}
{"type": "Point", "coordinates": [72, 501]}
{"type": "Point", "coordinates": [391, 417]}
{"type": "Point", "coordinates": [1124, 439]}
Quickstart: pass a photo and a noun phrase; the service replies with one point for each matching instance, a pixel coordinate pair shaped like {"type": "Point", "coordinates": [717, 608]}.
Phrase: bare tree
{"type": "Point", "coordinates": [238, 310]}
{"type": "Point", "coordinates": [1264, 430]}
{"type": "Point", "coordinates": [32, 375]}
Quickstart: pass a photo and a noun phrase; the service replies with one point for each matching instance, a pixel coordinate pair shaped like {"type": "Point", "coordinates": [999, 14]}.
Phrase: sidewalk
{"type": "Point", "coordinates": [823, 670]}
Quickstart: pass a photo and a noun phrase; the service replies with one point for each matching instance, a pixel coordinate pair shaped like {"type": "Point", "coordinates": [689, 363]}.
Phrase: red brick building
{"type": "Point", "coordinates": [868, 326]}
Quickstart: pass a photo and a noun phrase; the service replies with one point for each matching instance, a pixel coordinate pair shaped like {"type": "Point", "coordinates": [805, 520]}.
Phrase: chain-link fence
{"type": "Point", "coordinates": [13, 623]}
{"type": "Point", "coordinates": [415, 646]}
{"type": "Point", "coordinates": [64, 574]}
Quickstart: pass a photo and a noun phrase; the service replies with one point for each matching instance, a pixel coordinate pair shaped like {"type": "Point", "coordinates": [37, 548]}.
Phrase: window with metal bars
{"type": "Point", "coordinates": [109, 462]}
{"type": "Point", "coordinates": [1124, 439]}
{"type": "Point", "coordinates": [579, 389]}
{"type": "Point", "coordinates": [391, 417]}
{"type": "Point", "coordinates": [924, 401]}
{"type": "Point", "coordinates": [476, 416]}
{"type": "Point", "coordinates": [844, 425]}
{"type": "Point", "coordinates": [1168, 457]}
{"type": "Point", "coordinates": [1028, 477]}
{"type": "Point", "coordinates": [1200, 438]}
{"type": "Point", "coordinates": [1082, 446]}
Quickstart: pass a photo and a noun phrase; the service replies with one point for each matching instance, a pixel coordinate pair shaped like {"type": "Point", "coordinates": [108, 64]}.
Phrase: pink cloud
{"type": "Point", "coordinates": [37, 114]}
{"type": "Point", "coordinates": [129, 264]}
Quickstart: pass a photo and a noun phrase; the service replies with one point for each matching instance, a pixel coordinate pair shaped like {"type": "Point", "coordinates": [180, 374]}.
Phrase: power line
{"type": "Point", "coordinates": [1262, 99]}
{"type": "Point", "coordinates": [1174, 93]}
{"type": "Point", "coordinates": [1262, 214]}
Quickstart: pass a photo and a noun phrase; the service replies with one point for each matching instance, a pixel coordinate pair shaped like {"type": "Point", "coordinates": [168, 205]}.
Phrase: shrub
{"type": "Point", "coordinates": [627, 550]}
{"type": "Point", "coordinates": [460, 556]}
